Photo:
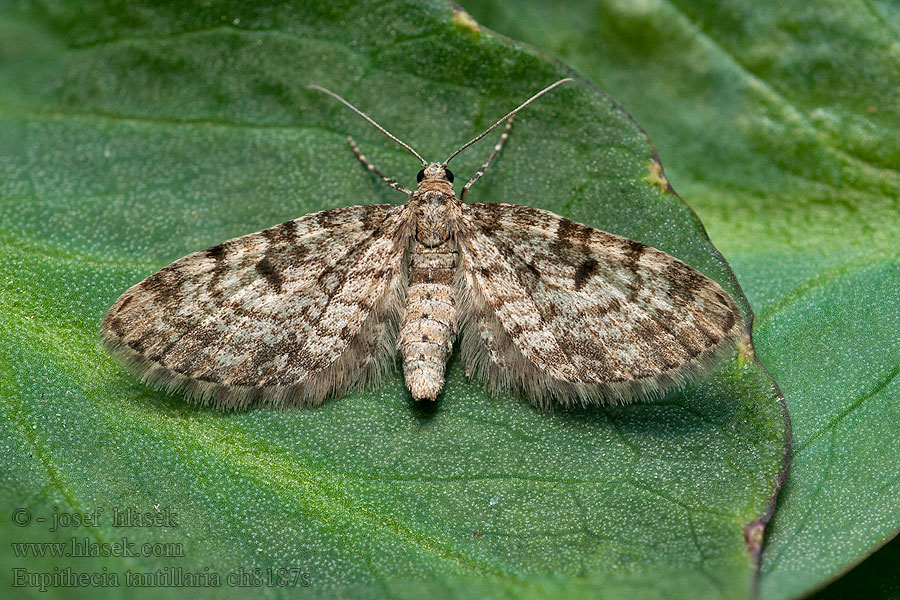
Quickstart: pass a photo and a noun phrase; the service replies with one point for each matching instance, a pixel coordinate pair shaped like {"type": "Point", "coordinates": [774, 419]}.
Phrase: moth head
{"type": "Point", "coordinates": [435, 171]}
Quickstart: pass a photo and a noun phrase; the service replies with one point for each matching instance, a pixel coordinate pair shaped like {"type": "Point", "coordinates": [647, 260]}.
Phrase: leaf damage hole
{"type": "Point", "coordinates": [656, 176]}
{"type": "Point", "coordinates": [753, 537]}
{"type": "Point", "coordinates": [463, 19]}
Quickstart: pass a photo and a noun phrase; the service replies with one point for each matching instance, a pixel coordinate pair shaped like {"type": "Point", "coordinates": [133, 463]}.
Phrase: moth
{"type": "Point", "coordinates": [311, 308]}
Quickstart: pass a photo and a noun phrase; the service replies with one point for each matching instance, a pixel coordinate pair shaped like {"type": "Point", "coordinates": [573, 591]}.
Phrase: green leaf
{"type": "Point", "coordinates": [778, 121]}
{"type": "Point", "coordinates": [132, 134]}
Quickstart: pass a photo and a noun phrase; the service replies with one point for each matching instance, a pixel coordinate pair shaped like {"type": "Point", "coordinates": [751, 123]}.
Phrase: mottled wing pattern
{"type": "Point", "coordinates": [287, 315]}
{"type": "Point", "coordinates": [567, 312]}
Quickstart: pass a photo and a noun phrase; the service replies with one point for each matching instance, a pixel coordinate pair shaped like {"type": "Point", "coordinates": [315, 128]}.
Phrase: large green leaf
{"type": "Point", "coordinates": [779, 122]}
{"type": "Point", "coordinates": [131, 134]}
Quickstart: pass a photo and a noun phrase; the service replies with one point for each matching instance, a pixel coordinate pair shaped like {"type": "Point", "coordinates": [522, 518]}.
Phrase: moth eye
{"type": "Point", "coordinates": [420, 176]}
{"type": "Point", "coordinates": [448, 175]}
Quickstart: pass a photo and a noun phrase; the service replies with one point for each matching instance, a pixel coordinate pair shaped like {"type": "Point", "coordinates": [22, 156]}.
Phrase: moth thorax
{"type": "Point", "coordinates": [434, 210]}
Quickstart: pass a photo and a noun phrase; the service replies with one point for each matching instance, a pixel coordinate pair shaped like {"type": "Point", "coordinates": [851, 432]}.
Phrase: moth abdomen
{"type": "Point", "coordinates": [429, 324]}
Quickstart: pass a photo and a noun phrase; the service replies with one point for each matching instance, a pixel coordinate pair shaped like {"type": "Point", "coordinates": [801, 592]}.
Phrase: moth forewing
{"type": "Point", "coordinates": [286, 316]}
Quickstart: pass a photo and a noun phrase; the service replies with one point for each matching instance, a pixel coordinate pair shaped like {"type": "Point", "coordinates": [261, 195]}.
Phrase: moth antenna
{"type": "Point", "coordinates": [371, 120]}
{"type": "Point", "coordinates": [495, 125]}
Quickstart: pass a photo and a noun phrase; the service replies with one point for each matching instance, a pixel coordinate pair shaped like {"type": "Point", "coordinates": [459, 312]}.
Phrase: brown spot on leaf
{"type": "Point", "coordinates": [657, 177]}
{"type": "Point", "coordinates": [463, 19]}
{"type": "Point", "coordinates": [753, 537]}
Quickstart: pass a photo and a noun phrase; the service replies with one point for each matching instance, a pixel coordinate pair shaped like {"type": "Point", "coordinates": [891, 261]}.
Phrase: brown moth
{"type": "Point", "coordinates": [316, 306]}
